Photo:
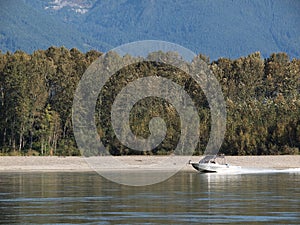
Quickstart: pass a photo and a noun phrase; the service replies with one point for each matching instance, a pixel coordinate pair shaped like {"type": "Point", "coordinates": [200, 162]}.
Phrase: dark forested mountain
{"type": "Point", "coordinates": [214, 28]}
{"type": "Point", "coordinates": [27, 28]}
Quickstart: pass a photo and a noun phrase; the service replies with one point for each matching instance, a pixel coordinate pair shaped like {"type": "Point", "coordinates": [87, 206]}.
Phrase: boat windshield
{"type": "Point", "coordinates": [207, 159]}
{"type": "Point", "coordinates": [213, 159]}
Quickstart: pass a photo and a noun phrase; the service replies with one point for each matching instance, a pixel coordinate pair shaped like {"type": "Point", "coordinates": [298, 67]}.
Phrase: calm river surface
{"type": "Point", "coordinates": [186, 198]}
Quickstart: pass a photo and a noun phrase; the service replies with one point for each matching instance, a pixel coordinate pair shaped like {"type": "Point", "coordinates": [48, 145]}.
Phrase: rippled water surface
{"type": "Point", "coordinates": [186, 198]}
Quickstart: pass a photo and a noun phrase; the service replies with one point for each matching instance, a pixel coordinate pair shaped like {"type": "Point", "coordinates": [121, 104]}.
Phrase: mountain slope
{"type": "Point", "coordinates": [215, 28]}
{"type": "Point", "coordinates": [23, 27]}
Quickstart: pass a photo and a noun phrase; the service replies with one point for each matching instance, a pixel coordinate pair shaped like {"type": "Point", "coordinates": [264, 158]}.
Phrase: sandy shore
{"type": "Point", "coordinates": [79, 164]}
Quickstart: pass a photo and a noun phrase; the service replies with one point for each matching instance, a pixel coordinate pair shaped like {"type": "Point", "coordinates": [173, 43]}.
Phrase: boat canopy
{"type": "Point", "coordinates": [209, 158]}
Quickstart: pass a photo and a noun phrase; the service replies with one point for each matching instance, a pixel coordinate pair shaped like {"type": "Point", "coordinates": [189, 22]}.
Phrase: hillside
{"type": "Point", "coordinates": [214, 28]}
{"type": "Point", "coordinates": [27, 28]}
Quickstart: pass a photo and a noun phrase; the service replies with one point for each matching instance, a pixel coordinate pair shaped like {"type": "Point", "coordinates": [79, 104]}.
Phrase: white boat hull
{"type": "Point", "coordinates": [213, 168]}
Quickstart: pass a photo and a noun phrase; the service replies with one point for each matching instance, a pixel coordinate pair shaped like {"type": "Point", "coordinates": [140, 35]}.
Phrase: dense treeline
{"type": "Point", "coordinates": [36, 100]}
{"type": "Point", "coordinates": [263, 104]}
{"type": "Point", "coordinates": [37, 90]}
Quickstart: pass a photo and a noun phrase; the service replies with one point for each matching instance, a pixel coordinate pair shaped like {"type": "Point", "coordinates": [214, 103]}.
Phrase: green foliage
{"type": "Point", "coordinates": [36, 99]}
{"type": "Point", "coordinates": [36, 95]}
{"type": "Point", "coordinates": [263, 103]}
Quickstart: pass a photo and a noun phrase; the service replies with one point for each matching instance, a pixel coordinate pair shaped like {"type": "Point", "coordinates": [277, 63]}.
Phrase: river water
{"type": "Point", "coordinates": [185, 198]}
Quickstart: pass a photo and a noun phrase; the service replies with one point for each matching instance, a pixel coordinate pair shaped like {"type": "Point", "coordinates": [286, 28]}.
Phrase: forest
{"type": "Point", "coordinates": [36, 95]}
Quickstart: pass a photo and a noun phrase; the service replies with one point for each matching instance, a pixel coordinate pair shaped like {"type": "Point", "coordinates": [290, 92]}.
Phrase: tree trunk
{"type": "Point", "coordinates": [30, 144]}
{"type": "Point", "coordinates": [20, 141]}
{"type": "Point", "coordinates": [4, 137]}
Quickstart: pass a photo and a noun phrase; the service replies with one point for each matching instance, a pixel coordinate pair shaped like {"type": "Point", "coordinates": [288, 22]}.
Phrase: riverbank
{"type": "Point", "coordinates": [79, 164]}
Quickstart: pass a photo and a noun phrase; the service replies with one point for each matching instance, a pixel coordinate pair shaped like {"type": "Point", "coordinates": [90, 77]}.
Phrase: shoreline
{"type": "Point", "coordinates": [80, 164]}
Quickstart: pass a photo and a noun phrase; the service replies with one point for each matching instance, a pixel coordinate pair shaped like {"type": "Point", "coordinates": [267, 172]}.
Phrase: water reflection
{"type": "Point", "coordinates": [185, 198]}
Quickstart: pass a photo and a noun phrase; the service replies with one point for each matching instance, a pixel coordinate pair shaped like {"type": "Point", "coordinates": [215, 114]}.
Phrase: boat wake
{"type": "Point", "coordinates": [245, 170]}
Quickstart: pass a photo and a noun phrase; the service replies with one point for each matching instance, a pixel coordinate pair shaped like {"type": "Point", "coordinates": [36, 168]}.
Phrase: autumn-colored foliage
{"type": "Point", "coordinates": [36, 95]}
